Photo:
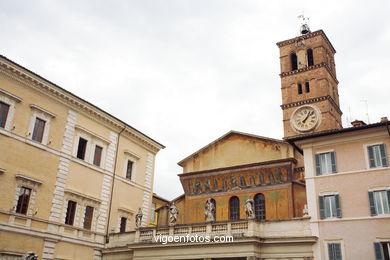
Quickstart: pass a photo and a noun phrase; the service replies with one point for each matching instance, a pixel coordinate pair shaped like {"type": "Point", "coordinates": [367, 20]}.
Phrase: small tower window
{"type": "Point", "coordinates": [299, 88]}
{"type": "Point", "coordinates": [307, 86]}
{"type": "Point", "coordinates": [294, 61]}
{"type": "Point", "coordinates": [310, 60]}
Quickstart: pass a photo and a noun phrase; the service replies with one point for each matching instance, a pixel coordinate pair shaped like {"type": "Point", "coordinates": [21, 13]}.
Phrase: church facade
{"type": "Point", "coordinates": [249, 187]}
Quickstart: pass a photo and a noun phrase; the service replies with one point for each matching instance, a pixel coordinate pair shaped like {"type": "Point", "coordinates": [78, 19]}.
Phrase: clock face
{"type": "Point", "coordinates": [305, 118]}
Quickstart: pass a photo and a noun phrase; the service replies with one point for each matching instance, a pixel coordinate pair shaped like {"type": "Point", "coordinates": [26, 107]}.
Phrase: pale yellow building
{"type": "Point", "coordinates": [70, 173]}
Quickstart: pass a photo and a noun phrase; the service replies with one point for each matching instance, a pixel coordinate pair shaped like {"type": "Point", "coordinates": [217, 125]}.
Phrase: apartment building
{"type": "Point", "coordinates": [348, 190]}
{"type": "Point", "coordinates": [70, 173]}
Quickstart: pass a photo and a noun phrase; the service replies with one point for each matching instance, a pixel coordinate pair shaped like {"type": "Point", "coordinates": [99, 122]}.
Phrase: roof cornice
{"type": "Point", "coordinates": [306, 36]}
{"type": "Point", "coordinates": [31, 79]}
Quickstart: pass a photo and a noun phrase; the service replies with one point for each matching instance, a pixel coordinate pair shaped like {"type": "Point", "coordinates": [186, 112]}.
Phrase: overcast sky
{"type": "Point", "coordinates": [187, 72]}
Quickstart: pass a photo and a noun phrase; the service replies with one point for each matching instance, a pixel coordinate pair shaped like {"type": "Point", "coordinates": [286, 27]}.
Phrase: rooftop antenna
{"type": "Point", "coordinates": [305, 29]}
{"type": "Point", "coordinates": [365, 101]}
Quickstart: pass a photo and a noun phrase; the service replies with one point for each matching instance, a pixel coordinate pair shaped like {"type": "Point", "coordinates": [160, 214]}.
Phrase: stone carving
{"type": "Point", "coordinates": [249, 208]}
{"type": "Point", "coordinates": [138, 218]}
{"type": "Point", "coordinates": [209, 211]}
{"type": "Point", "coordinates": [173, 214]}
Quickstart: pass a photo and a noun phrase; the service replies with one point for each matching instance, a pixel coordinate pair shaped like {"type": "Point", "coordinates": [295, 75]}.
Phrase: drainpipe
{"type": "Point", "coordinates": [112, 186]}
{"type": "Point", "coordinates": [295, 146]}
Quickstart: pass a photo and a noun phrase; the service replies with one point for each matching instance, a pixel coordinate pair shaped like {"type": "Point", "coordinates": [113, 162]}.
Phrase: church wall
{"type": "Point", "coordinates": [237, 150]}
{"type": "Point", "coordinates": [276, 197]}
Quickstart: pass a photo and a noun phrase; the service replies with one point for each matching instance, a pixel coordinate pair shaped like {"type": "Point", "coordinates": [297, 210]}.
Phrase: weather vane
{"type": "Point", "coordinates": [304, 24]}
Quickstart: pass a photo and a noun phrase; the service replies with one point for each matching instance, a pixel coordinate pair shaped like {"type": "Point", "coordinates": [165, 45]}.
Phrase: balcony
{"type": "Point", "coordinates": [282, 229]}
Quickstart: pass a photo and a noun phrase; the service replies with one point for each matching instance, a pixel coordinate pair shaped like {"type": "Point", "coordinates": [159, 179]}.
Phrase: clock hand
{"type": "Point", "coordinates": [307, 116]}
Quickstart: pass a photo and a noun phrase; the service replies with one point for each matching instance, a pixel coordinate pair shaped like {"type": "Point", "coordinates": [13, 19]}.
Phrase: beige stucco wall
{"type": "Point", "coordinates": [57, 175]}
{"type": "Point", "coordinates": [236, 150]}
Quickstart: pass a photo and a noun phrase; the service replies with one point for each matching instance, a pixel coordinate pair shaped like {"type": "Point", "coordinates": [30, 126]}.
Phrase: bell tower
{"type": "Point", "coordinates": [310, 99]}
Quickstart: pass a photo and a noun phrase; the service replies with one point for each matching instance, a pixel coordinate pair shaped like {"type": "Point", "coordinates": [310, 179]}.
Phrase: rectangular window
{"type": "Point", "coordinates": [153, 213]}
{"type": "Point", "coordinates": [307, 86]}
{"type": "Point", "coordinates": [299, 89]}
{"type": "Point", "coordinates": [334, 251]}
{"type": "Point", "coordinates": [4, 108]}
{"type": "Point", "coordinates": [23, 200]}
{"type": "Point", "coordinates": [377, 155]}
{"type": "Point", "coordinates": [88, 217]}
{"type": "Point", "coordinates": [129, 169]}
{"type": "Point", "coordinates": [81, 149]}
{"type": "Point", "coordinates": [329, 206]}
{"type": "Point", "coordinates": [98, 155]}
{"type": "Point", "coordinates": [382, 250]}
{"type": "Point", "coordinates": [39, 128]}
{"type": "Point", "coordinates": [70, 212]}
{"type": "Point", "coordinates": [379, 202]}
{"type": "Point", "coordinates": [123, 225]}
{"type": "Point", "coordinates": [325, 163]}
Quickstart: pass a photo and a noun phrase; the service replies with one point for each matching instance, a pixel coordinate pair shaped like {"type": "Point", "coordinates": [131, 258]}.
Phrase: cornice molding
{"type": "Point", "coordinates": [310, 101]}
{"type": "Point", "coordinates": [304, 37]}
{"type": "Point", "coordinates": [48, 88]}
{"type": "Point", "coordinates": [313, 67]}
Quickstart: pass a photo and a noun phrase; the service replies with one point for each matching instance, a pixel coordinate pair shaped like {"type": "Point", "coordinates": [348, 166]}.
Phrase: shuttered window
{"type": "Point", "coordinates": [377, 155]}
{"type": "Point", "coordinates": [4, 108]}
{"type": "Point", "coordinates": [88, 217]}
{"type": "Point", "coordinates": [382, 250]}
{"type": "Point", "coordinates": [70, 212]}
{"type": "Point", "coordinates": [39, 129]}
{"type": "Point", "coordinates": [329, 206]}
{"type": "Point", "coordinates": [334, 251]}
{"type": "Point", "coordinates": [325, 163]}
{"type": "Point", "coordinates": [123, 225]}
{"type": "Point", "coordinates": [23, 200]}
{"type": "Point", "coordinates": [379, 202]}
{"type": "Point", "coordinates": [97, 157]}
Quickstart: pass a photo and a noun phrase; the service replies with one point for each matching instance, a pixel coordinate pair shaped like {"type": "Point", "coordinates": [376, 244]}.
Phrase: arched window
{"type": "Point", "coordinates": [307, 86]}
{"type": "Point", "coordinates": [294, 61]}
{"type": "Point", "coordinates": [310, 60]}
{"type": "Point", "coordinates": [299, 88]}
{"type": "Point", "coordinates": [260, 206]}
{"type": "Point", "coordinates": [234, 206]}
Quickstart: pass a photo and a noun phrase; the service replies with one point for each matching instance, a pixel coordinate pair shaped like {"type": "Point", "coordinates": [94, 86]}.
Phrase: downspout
{"type": "Point", "coordinates": [295, 146]}
{"type": "Point", "coordinates": [113, 183]}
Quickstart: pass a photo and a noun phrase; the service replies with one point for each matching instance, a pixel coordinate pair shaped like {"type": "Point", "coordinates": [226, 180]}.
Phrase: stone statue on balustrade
{"type": "Point", "coordinates": [249, 208]}
{"type": "Point", "coordinates": [209, 211]}
{"type": "Point", "coordinates": [173, 214]}
{"type": "Point", "coordinates": [138, 218]}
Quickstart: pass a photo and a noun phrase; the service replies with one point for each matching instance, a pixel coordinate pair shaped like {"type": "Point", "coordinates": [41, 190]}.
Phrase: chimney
{"type": "Point", "coordinates": [384, 119]}
{"type": "Point", "coordinates": [358, 123]}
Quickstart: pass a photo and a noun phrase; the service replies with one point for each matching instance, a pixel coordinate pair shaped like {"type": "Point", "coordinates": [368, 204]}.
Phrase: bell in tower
{"type": "Point", "coordinates": [310, 100]}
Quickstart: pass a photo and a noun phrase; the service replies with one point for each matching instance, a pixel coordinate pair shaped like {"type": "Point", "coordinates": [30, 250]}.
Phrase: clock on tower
{"type": "Point", "coordinates": [310, 100]}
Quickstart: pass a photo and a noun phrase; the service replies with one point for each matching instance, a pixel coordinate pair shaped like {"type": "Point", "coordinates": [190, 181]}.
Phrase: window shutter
{"type": "Point", "coordinates": [378, 251]}
{"type": "Point", "coordinates": [372, 203]}
{"type": "Point", "coordinates": [388, 197]}
{"type": "Point", "coordinates": [338, 207]}
{"type": "Point", "coordinates": [337, 251]}
{"type": "Point", "coordinates": [382, 148]}
{"type": "Point", "coordinates": [318, 166]}
{"type": "Point", "coordinates": [333, 159]}
{"type": "Point", "coordinates": [322, 206]}
{"type": "Point", "coordinates": [331, 251]}
{"type": "Point", "coordinates": [371, 156]}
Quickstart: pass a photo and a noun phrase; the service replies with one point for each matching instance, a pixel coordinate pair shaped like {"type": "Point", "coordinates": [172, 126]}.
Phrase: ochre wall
{"type": "Point", "coordinates": [237, 150]}
{"type": "Point", "coordinates": [276, 202]}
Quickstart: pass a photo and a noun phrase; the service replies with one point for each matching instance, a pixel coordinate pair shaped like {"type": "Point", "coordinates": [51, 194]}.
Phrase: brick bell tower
{"type": "Point", "coordinates": [310, 99]}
